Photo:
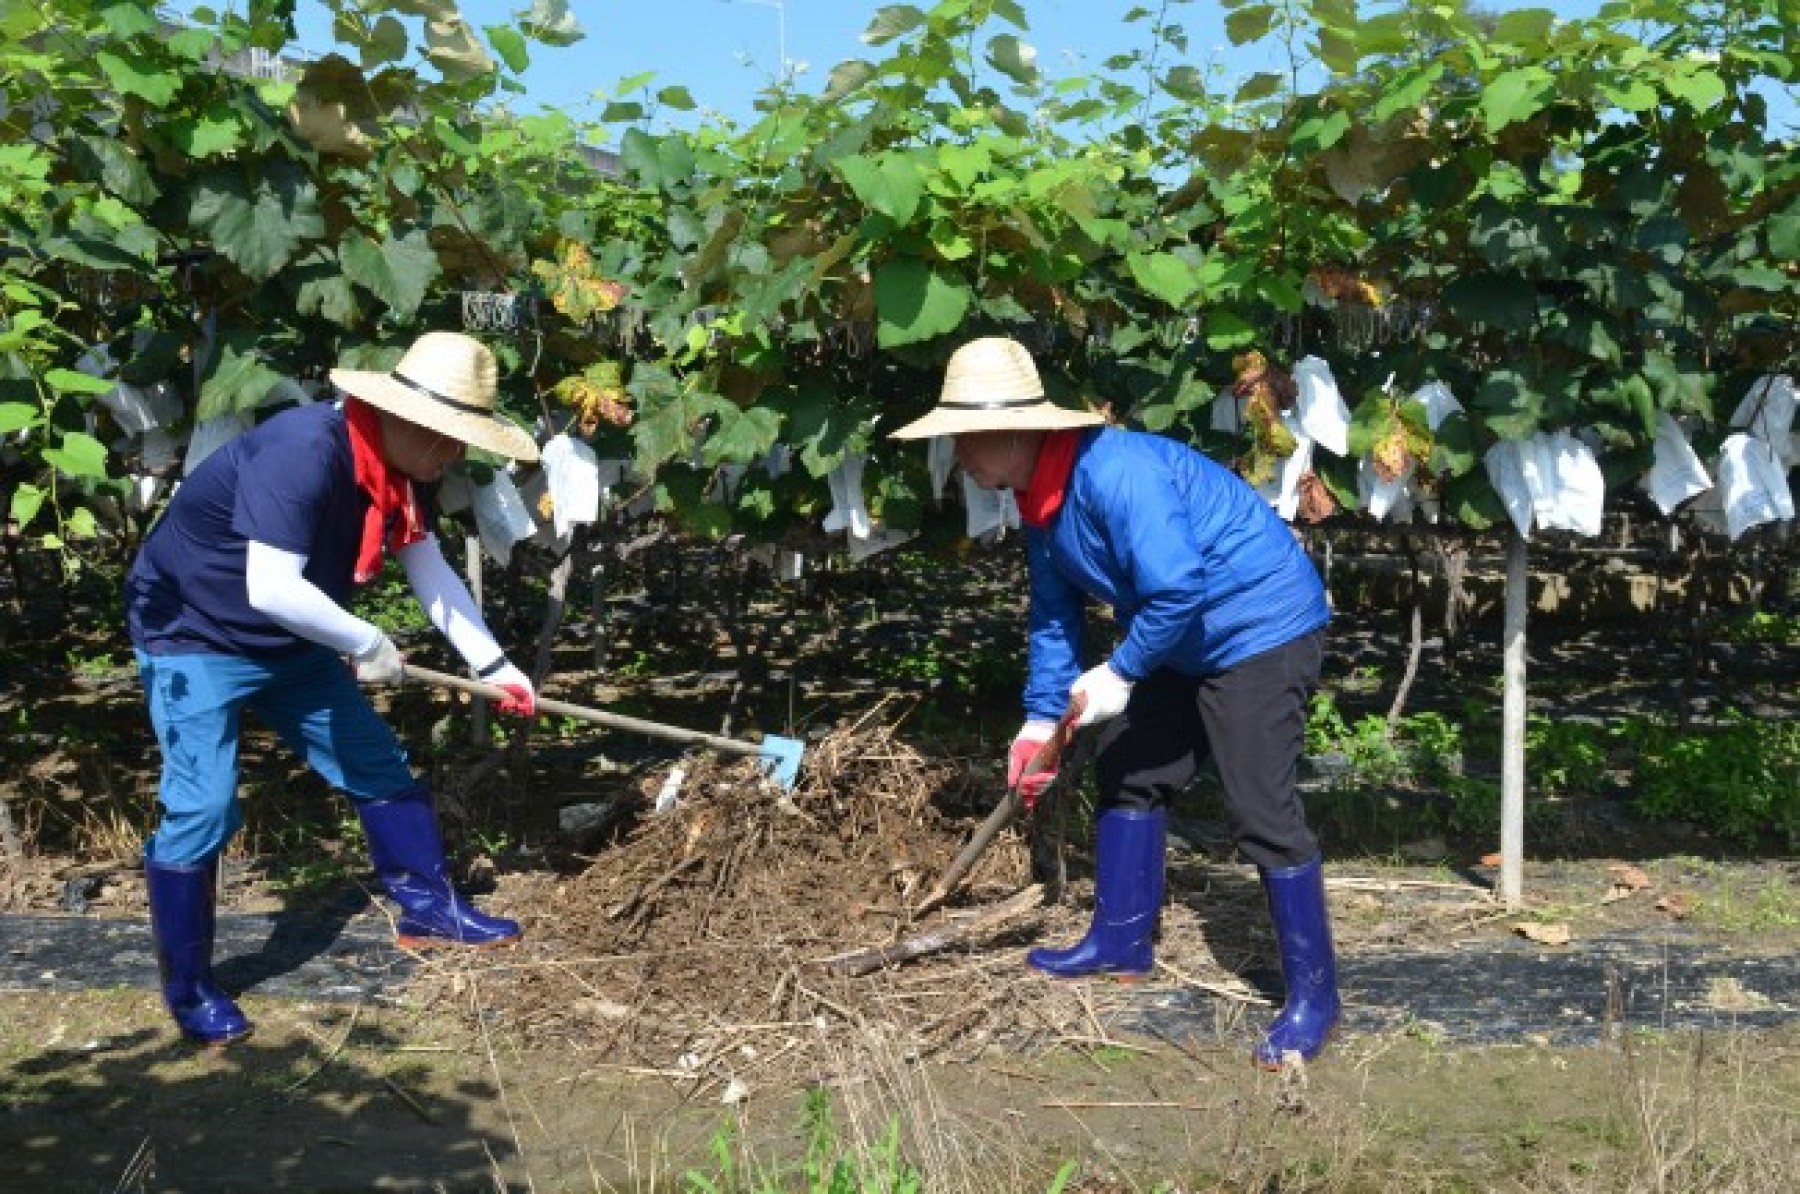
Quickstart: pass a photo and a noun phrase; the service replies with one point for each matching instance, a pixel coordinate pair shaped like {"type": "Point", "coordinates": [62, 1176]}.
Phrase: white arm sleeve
{"type": "Point", "coordinates": [446, 601]}
{"type": "Point", "coordinates": [275, 587]}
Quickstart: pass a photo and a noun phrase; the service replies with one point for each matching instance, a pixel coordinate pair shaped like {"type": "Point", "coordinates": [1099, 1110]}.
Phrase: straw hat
{"type": "Point", "coordinates": [445, 382]}
{"type": "Point", "coordinates": [992, 385]}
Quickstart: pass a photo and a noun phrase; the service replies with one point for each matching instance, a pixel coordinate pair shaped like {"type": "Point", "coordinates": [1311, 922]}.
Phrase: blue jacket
{"type": "Point", "coordinates": [1200, 572]}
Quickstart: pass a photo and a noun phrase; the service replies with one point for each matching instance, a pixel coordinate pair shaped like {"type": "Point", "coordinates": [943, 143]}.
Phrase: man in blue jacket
{"type": "Point", "coordinates": [1223, 621]}
{"type": "Point", "coordinates": [237, 601]}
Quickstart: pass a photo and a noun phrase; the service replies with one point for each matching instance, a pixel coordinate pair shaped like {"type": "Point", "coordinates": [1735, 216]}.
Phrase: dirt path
{"type": "Point", "coordinates": [354, 1083]}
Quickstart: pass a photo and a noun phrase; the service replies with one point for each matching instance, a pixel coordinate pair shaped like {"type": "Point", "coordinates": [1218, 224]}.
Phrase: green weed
{"type": "Point", "coordinates": [829, 1167]}
{"type": "Point", "coordinates": [1566, 757]}
{"type": "Point", "coordinates": [1740, 779]}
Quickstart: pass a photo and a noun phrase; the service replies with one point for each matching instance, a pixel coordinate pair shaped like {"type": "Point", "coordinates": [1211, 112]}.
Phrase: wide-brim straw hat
{"type": "Point", "coordinates": [991, 384]}
{"type": "Point", "coordinates": [447, 382]}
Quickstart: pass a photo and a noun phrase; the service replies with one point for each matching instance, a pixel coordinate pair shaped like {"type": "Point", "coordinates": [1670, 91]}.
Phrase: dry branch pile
{"type": "Point", "coordinates": [697, 945]}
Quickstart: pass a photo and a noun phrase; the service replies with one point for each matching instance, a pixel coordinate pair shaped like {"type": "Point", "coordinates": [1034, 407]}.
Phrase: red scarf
{"type": "Point", "coordinates": [1049, 478]}
{"type": "Point", "coordinates": [392, 519]}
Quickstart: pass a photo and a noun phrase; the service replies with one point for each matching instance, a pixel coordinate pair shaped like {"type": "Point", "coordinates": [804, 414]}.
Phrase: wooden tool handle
{"type": "Point", "coordinates": [616, 721]}
{"type": "Point", "coordinates": [1011, 805]}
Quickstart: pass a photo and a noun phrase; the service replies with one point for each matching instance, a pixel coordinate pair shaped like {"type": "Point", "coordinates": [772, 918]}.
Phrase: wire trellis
{"type": "Point", "coordinates": [495, 312]}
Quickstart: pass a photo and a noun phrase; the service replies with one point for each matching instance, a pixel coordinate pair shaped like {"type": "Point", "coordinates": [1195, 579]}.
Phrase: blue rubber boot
{"type": "Point", "coordinates": [408, 853]}
{"type": "Point", "coordinates": [1303, 934]}
{"type": "Point", "coordinates": [1128, 891]}
{"type": "Point", "coordinates": [182, 922]}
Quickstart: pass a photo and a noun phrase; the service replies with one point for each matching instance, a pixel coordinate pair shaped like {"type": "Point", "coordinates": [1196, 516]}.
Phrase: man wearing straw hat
{"type": "Point", "coordinates": [1223, 621]}
{"type": "Point", "coordinates": [237, 601]}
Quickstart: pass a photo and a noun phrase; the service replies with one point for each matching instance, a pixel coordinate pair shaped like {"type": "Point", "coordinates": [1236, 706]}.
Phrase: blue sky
{"type": "Point", "coordinates": [725, 51]}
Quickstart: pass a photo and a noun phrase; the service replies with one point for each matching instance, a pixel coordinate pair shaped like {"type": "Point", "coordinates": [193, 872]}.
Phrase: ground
{"type": "Point", "coordinates": [678, 1016]}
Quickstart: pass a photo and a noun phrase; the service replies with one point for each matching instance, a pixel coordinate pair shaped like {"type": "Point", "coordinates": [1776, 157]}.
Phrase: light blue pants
{"type": "Point", "coordinates": [310, 699]}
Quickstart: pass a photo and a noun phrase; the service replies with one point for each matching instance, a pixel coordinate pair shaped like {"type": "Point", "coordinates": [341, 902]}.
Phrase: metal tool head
{"type": "Point", "coordinates": [781, 759]}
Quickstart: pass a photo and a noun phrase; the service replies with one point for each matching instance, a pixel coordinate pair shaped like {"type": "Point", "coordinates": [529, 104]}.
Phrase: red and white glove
{"type": "Point", "coordinates": [521, 699]}
{"type": "Point", "coordinates": [1106, 691]}
{"type": "Point", "coordinates": [1032, 736]}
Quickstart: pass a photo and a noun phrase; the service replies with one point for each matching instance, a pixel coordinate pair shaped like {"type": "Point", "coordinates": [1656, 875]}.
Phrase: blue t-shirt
{"type": "Point", "coordinates": [1200, 572]}
{"type": "Point", "coordinates": [289, 483]}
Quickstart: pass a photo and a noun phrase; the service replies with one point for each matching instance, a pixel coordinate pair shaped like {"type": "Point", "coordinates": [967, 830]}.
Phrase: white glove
{"type": "Point", "coordinates": [378, 663]}
{"type": "Point", "coordinates": [1106, 692]}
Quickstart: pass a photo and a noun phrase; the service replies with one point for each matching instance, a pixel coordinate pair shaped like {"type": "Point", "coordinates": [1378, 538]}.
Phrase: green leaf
{"type": "Point", "coordinates": [395, 271]}
{"type": "Point", "coordinates": [678, 98]}
{"type": "Point", "coordinates": [1633, 394]}
{"type": "Point", "coordinates": [1453, 447]}
{"type": "Point", "coordinates": [1510, 404]}
{"type": "Point", "coordinates": [79, 455]}
{"type": "Point", "coordinates": [1516, 95]}
{"type": "Point", "coordinates": [16, 416]}
{"type": "Point", "coordinates": [1249, 24]}
{"type": "Point", "coordinates": [509, 43]}
{"type": "Point", "coordinates": [1164, 275]}
{"type": "Point", "coordinates": [896, 20]}
{"type": "Point", "coordinates": [214, 132]}
{"type": "Point", "coordinates": [1678, 390]}
{"type": "Point", "coordinates": [1664, 237]}
{"type": "Point", "coordinates": [1631, 95]}
{"type": "Point", "coordinates": [111, 163]}
{"type": "Point", "coordinates": [1339, 51]}
{"type": "Point", "coordinates": [891, 184]}
{"type": "Point", "coordinates": [1226, 331]}
{"type": "Point", "coordinates": [1015, 59]}
{"type": "Point", "coordinates": [1526, 28]}
{"type": "Point", "coordinates": [820, 425]}
{"type": "Point", "coordinates": [667, 416]}
{"type": "Point", "coordinates": [324, 291]}
{"type": "Point", "coordinates": [742, 436]}
{"type": "Point", "coordinates": [1261, 85]}
{"type": "Point", "coordinates": [237, 379]}
{"type": "Point", "coordinates": [1406, 91]}
{"type": "Point", "coordinates": [192, 44]}
{"type": "Point", "coordinates": [126, 21]}
{"type": "Point", "coordinates": [71, 381]}
{"type": "Point", "coordinates": [1470, 499]}
{"type": "Point", "coordinates": [81, 523]}
{"type": "Point", "coordinates": [914, 302]}
{"type": "Point", "coordinates": [965, 164]}
{"type": "Point", "coordinates": [1320, 132]}
{"type": "Point", "coordinates": [139, 75]}
{"type": "Point", "coordinates": [1501, 300]}
{"type": "Point", "coordinates": [1695, 85]}
{"type": "Point", "coordinates": [27, 500]}
{"type": "Point", "coordinates": [1784, 233]}
{"type": "Point", "coordinates": [387, 43]}
{"type": "Point", "coordinates": [259, 226]}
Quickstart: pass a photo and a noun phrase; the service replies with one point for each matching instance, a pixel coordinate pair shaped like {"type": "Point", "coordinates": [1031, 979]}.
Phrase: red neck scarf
{"type": "Point", "coordinates": [1050, 478]}
{"type": "Point", "coordinates": [392, 519]}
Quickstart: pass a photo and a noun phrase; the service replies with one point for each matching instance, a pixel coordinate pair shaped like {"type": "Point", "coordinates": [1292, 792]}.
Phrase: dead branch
{"type": "Point", "coordinates": [936, 940]}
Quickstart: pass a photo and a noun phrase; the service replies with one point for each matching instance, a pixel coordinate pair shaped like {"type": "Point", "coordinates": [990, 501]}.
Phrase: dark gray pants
{"type": "Point", "coordinates": [1251, 719]}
